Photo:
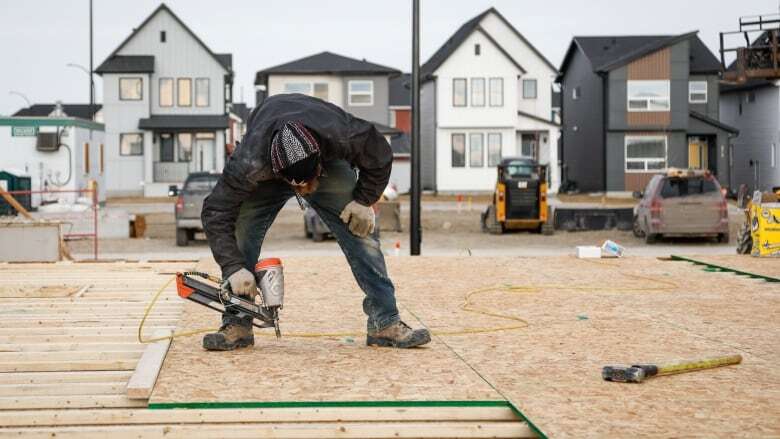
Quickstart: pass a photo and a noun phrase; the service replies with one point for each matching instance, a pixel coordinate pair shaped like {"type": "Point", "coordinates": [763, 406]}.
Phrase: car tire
{"type": "Point", "coordinates": [637, 228]}
{"type": "Point", "coordinates": [744, 240]}
{"type": "Point", "coordinates": [182, 237]}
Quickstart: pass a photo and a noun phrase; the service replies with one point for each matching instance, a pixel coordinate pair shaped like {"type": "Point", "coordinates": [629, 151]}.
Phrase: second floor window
{"type": "Point", "coordinates": [361, 93]}
{"type": "Point", "coordinates": [529, 88]}
{"type": "Point", "coordinates": [697, 92]}
{"type": "Point", "coordinates": [202, 92]}
{"type": "Point", "coordinates": [477, 92]}
{"type": "Point", "coordinates": [459, 92]}
{"type": "Point", "coordinates": [184, 92]}
{"type": "Point", "coordinates": [648, 96]}
{"type": "Point", "coordinates": [496, 92]}
{"type": "Point", "coordinates": [131, 89]}
{"type": "Point", "coordinates": [166, 92]}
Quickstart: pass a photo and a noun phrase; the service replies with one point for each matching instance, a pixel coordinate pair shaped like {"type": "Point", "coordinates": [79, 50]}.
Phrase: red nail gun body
{"type": "Point", "coordinates": [270, 281]}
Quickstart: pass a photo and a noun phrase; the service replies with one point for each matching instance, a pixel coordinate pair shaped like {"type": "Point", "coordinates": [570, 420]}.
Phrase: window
{"type": "Point", "coordinates": [494, 149]}
{"type": "Point", "coordinates": [477, 49]}
{"type": "Point", "coordinates": [131, 89]}
{"type": "Point", "coordinates": [575, 93]}
{"type": "Point", "coordinates": [529, 88]}
{"type": "Point", "coordinates": [202, 92]}
{"type": "Point", "coordinates": [131, 144]}
{"type": "Point", "coordinates": [697, 92]}
{"type": "Point", "coordinates": [298, 87]}
{"type": "Point", "coordinates": [476, 150]}
{"type": "Point", "coordinates": [86, 158]}
{"type": "Point", "coordinates": [459, 92]}
{"type": "Point", "coordinates": [645, 153]}
{"type": "Point", "coordinates": [477, 92]}
{"type": "Point", "coordinates": [185, 147]}
{"type": "Point", "coordinates": [680, 187]}
{"type": "Point", "coordinates": [185, 92]}
{"type": "Point", "coordinates": [321, 91]}
{"type": "Point", "coordinates": [102, 162]}
{"type": "Point", "coordinates": [361, 93]}
{"type": "Point", "coordinates": [166, 92]}
{"type": "Point", "coordinates": [162, 36]}
{"type": "Point", "coordinates": [648, 96]}
{"type": "Point", "coordinates": [496, 92]}
{"type": "Point", "coordinates": [458, 150]}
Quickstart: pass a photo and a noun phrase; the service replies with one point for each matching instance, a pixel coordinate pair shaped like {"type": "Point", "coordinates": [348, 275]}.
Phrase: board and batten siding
{"type": "Point", "coordinates": [181, 56]}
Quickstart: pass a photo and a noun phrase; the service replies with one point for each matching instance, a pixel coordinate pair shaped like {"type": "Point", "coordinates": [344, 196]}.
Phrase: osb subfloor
{"type": "Point", "coordinates": [763, 266]}
{"type": "Point", "coordinates": [581, 315]}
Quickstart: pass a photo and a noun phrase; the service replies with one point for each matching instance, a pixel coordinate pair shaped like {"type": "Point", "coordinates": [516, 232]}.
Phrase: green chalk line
{"type": "Point", "coordinates": [713, 268]}
{"type": "Point", "coordinates": [352, 404]}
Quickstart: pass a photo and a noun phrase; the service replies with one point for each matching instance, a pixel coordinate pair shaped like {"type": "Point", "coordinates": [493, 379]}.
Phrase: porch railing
{"type": "Point", "coordinates": [170, 172]}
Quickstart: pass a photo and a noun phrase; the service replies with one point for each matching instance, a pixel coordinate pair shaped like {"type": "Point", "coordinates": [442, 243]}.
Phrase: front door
{"type": "Point", "coordinates": [206, 150]}
{"type": "Point", "coordinates": [698, 153]}
{"type": "Point", "coordinates": [529, 145]}
{"type": "Point", "coordinates": [166, 147]}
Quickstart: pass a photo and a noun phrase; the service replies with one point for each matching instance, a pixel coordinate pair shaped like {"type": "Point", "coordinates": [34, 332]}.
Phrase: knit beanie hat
{"type": "Point", "coordinates": [295, 153]}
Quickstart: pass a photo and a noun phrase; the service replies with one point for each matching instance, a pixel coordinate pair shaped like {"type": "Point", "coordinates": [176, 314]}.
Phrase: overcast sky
{"type": "Point", "coordinates": [39, 37]}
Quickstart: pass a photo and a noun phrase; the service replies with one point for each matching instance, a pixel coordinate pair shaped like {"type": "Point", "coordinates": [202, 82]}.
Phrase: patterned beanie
{"type": "Point", "coordinates": [294, 152]}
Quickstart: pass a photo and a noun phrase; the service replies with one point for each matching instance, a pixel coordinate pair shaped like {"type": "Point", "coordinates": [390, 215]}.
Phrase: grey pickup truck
{"type": "Point", "coordinates": [190, 203]}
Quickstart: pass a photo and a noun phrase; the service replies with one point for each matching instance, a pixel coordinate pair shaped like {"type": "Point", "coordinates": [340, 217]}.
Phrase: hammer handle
{"type": "Point", "coordinates": [699, 365]}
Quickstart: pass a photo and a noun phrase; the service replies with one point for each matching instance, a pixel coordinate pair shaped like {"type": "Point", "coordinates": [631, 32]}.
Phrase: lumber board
{"type": "Point", "coordinates": [142, 382]}
{"type": "Point", "coordinates": [130, 337]}
{"type": "Point", "coordinates": [78, 330]}
{"type": "Point", "coordinates": [104, 388]}
{"type": "Point", "coordinates": [107, 346]}
{"type": "Point", "coordinates": [67, 365]}
{"type": "Point", "coordinates": [23, 418]}
{"type": "Point", "coordinates": [67, 401]}
{"type": "Point", "coordinates": [13, 357]}
{"type": "Point", "coordinates": [365, 430]}
{"type": "Point", "coordinates": [64, 377]}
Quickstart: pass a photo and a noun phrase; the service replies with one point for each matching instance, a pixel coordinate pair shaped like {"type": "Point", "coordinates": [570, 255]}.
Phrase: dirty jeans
{"type": "Point", "coordinates": [363, 254]}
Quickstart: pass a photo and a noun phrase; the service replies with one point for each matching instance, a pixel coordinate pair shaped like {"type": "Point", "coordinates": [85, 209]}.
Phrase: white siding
{"type": "Point", "coordinates": [181, 56]}
{"type": "Point", "coordinates": [468, 179]}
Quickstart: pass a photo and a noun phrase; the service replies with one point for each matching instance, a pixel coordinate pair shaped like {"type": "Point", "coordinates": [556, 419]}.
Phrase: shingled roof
{"type": "Point", "coordinates": [463, 32]}
{"type": "Point", "coordinates": [325, 63]}
{"type": "Point", "coordinates": [81, 111]}
{"type": "Point", "coordinates": [401, 90]}
{"type": "Point", "coordinates": [607, 52]}
{"type": "Point", "coordinates": [127, 64]}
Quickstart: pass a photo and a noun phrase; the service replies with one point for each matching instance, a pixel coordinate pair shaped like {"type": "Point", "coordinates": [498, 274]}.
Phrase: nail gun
{"type": "Point", "coordinates": [270, 284]}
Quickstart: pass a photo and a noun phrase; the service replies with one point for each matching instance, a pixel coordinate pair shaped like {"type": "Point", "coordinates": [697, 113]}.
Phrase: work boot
{"type": "Point", "coordinates": [398, 335]}
{"type": "Point", "coordinates": [229, 337]}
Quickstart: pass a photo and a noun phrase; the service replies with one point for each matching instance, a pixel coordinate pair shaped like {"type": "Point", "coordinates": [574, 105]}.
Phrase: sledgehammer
{"type": "Point", "coordinates": [639, 372]}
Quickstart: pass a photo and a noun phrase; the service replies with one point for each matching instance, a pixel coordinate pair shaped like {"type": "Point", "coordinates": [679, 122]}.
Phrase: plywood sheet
{"type": "Point", "coordinates": [571, 317]}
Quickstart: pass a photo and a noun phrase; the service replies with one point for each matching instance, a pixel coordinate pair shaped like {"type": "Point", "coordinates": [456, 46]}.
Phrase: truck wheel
{"type": "Point", "coordinates": [637, 229]}
{"type": "Point", "coordinates": [489, 223]}
{"type": "Point", "coordinates": [181, 237]}
{"type": "Point", "coordinates": [744, 240]}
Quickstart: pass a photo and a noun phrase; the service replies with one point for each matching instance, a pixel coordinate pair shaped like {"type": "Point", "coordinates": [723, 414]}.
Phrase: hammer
{"type": "Point", "coordinates": [639, 372]}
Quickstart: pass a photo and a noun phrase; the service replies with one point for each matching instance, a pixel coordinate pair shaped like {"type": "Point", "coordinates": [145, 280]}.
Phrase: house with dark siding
{"type": "Point", "coordinates": [633, 106]}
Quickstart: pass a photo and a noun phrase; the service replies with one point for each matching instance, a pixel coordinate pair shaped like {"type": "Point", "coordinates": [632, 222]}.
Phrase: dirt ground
{"type": "Point", "coordinates": [446, 231]}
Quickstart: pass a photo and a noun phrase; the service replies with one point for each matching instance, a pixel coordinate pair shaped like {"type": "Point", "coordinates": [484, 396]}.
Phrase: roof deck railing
{"type": "Point", "coordinates": [759, 56]}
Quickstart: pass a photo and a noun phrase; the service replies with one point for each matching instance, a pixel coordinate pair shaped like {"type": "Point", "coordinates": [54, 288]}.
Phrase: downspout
{"type": "Point", "coordinates": [605, 123]}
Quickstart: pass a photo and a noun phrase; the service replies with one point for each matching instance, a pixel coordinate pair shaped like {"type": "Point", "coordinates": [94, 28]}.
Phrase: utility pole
{"type": "Point", "coordinates": [91, 66]}
{"type": "Point", "coordinates": [414, 227]}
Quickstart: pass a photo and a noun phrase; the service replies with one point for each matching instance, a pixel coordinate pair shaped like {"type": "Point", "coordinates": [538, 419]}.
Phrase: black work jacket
{"type": "Point", "coordinates": [340, 136]}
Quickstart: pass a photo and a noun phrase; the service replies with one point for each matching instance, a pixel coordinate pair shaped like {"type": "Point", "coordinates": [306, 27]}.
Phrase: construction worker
{"type": "Point", "coordinates": [298, 145]}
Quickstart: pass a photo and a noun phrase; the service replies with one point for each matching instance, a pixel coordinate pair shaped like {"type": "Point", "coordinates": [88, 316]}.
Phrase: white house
{"type": "Point", "coordinates": [57, 152]}
{"type": "Point", "coordinates": [486, 94]}
{"type": "Point", "coordinates": [165, 106]}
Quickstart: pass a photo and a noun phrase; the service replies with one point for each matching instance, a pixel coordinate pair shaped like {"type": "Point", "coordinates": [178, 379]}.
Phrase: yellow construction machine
{"type": "Point", "coordinates": [759, 235]}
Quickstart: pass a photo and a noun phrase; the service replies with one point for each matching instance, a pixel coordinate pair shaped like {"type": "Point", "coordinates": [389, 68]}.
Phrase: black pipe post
{"type": "Point", "coordinates": [414, 227]}
{"type": "Point", "coordinates": [91, 67]}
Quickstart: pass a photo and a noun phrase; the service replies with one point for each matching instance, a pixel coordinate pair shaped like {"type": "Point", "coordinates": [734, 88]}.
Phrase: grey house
{"type": "Point", "coordinates": [635, 105]}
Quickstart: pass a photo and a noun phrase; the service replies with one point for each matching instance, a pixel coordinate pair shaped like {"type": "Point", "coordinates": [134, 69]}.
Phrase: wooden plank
{"type": "Point", "coordinates": [132, 346]}
{"type": "Point", "coordinates": [24, 324]}
{"type": "Point", "coordinates": [64, 377]}
{"type": "Point", "coordinates": [77, 330]}
{"type": "Point", "coordinates": [142, 382]}
{"type": "Point", "coordinates": [130, 338]}
{"type": "Point", "coordinates": [68, 401]}
{"type": "Point", "coordinates": [13, 357]}
{"type": "Point", "coordinates": [52, 389]}
{"type": "Point", "coordinates": [23, 418]}
{"type": "Point", "coordinates": [67, 365]}
{"type": "Point", "coordinates": [365, 430]}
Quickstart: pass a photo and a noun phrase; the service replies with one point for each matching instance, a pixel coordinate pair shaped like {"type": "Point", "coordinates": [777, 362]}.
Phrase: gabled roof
{"type": "Point", "coordinates": [225, 60]}
{"type": "Point", "coordinates": [401, 90]}
{"type": "Point", "coordinates": [127, 64]}
{"type": "Point", "coordinates": [463, 32]}
{"type": "Point", "coordinates": [325, 63]}
{"type": "Point", "coordinates": [713, 122]}
{"type": "Point", "coordinates": [81, 111]}
{"type": "Point", "coordinates": [607, 52]}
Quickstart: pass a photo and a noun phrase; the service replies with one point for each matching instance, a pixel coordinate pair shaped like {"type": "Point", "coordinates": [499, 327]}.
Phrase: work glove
{"type": "Point", "coordinates": [359, 217]}
{"type": "Point", "coordinates": [242, 283]}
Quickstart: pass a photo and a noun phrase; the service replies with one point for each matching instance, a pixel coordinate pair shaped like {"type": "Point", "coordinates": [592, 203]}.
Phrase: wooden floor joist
{"type": "Point", "coordinates": [142, 382]}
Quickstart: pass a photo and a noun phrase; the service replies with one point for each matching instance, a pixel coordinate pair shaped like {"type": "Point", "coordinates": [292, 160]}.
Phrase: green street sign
{"type": "Point", "coordinates": [23, 131]}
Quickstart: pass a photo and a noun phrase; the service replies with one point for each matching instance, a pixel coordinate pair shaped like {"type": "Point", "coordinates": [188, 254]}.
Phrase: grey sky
{"type": "Point", "coordinates": [39, 37]}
